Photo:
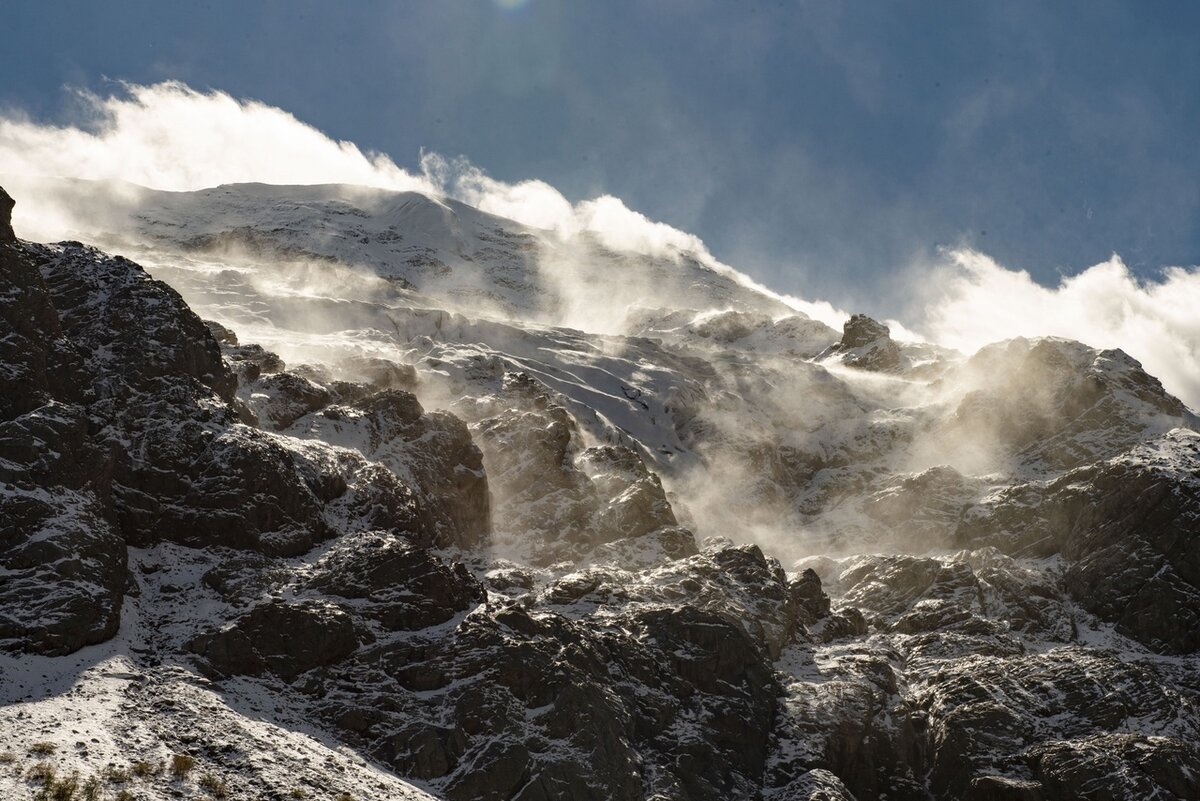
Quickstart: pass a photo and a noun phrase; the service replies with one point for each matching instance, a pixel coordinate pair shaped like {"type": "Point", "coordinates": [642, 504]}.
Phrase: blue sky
{"type": "Point", "coordinates": [821, 147]}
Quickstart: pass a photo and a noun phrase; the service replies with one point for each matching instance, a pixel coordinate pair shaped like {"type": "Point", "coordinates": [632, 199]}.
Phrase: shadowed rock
{"type": "Point", "coordinates": [6, 208]}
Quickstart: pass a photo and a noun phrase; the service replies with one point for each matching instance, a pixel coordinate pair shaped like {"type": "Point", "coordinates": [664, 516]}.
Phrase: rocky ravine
{"type": "Point", "coordinates": [316, 588]}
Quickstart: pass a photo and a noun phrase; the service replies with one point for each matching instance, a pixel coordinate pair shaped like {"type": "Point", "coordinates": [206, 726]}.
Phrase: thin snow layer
{"type": "Point", "coordinates": [1040, 675]}
{"type": "Point", "coordinates": [322, 238]}
{"type": "Point", "coordinates": [105, 709]}
{"type": "Point", "coordinates": [721, 389]}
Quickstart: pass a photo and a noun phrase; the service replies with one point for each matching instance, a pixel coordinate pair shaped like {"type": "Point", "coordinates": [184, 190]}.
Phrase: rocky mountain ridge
{"type": "Point", "coordinates": [307, 580]}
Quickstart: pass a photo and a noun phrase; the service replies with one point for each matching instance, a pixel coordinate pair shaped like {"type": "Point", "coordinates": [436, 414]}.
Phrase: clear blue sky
{"type": "Point", "coordinates": [819, 146]}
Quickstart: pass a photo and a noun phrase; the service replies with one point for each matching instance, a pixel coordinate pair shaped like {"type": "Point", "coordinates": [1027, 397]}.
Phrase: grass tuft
{"type": "Point", "coordinates": [114, 774]}
{"type": "Point", "coordinates": [42, 772]}
{"type": "Point", "coordinates": [91, 789]}
{"type": "Point", "coordinates": [181, 765]}
{"type": "Point", "coordinates": [63, 789]}
{"type": "Point", "coordinates": [214, 785]}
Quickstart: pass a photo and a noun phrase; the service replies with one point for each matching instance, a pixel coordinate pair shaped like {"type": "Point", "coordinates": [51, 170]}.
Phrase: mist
{"type": "Point", "coordinates": [169, 136]}
{"type": "Point", "coordinates": [970, 300]}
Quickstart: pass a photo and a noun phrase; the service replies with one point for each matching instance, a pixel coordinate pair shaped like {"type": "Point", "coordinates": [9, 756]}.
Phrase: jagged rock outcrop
{"type": "Point", "coordinates": [64, 571]}
{"type": "Point", "coordinates": [523, 678]}
{"type": "Point", "coordinates": [1067, 393]}
{"type": "Point", "coordinates": [118, 425]}
{"type": "Point", "coordinates": [946, 701]}
{"type": "Point", "coordinates": [866, 344]}
{"type": "Point", "coordinates": [406, 588]}
{"type": "Point", "coordinates": [1129, 530]}
{"type": "Point", "coordinates": [281, 638]}
{"type": "Point", "coordinates": [6, 207]}
{"type": "Point", "coordinates": [561, 502]}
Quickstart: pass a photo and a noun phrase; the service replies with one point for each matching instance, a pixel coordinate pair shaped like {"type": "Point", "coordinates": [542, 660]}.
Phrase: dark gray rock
{"type": "Point", "coordinates": [861, 330]}
{"type": "Point", "coordinates": [6, 207]}
{"type": "Point", "coordinates": [867, 345]}
{"type": "Point", "coordinates": [407, 587]}
{"type": "Point", "coordinates": [1128, 528]}
{"type": "Point", "coordinates": [281, 399]}
{"type": "Point", "coordinates": [281, 638]}
{"type": "Point", "coordinates": [64, 572]}
{"type": "Point", "coordinates": [1117, 766]}
{"type": "Point", "coordinates": [565, 503]}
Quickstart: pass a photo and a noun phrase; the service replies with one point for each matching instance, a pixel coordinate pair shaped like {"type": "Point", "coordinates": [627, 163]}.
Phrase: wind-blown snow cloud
{"type": "Point", "coordinates": [169, 136]}
{"type": "Point", "coordinates": [977, 301]}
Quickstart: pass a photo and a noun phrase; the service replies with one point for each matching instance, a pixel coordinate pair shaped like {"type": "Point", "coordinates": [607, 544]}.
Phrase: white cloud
{"type": "Point", "coordinates": [972, 301]}
{"type": "Point", "coordinates": [169, 136]}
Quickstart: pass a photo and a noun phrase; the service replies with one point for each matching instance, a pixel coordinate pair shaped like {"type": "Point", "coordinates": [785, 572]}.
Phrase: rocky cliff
{"type": "Point", "coordinates": [497, 560]}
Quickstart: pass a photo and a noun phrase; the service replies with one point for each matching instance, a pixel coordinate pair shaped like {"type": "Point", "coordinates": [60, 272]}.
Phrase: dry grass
{"type": "Point", "coordinates": [144, 770]}
{"type": "Point", "coordinates": [214, 785]}
{"type": "Point", "coordinates": [125, 795]}
{"type": "Point", "coordinates": [8, 758]}
{"type": "Point", "coordinates": [114, 774]}
{"type": "Point", "coordinates": [41, 772]}
{"type": "Point", "coordinates": [43, 749]}
{"type": "Point", "coordinates": [181, 765]}
{"type": "Point", "coordinates": [63, 789]}
{"type": "Point", "coordinates": [91, 789]}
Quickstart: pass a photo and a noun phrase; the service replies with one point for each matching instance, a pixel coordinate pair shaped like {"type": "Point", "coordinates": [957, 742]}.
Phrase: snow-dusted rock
{"type": "Point", "coordinates": [311, 576]}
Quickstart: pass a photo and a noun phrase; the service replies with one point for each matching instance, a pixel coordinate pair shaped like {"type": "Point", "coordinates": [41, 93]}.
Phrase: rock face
{"type": "Point", "coordinates": [65, 571]}
{"type": "Point", "coordinates": [867, 345]}
{"type": "Point", "coordinates": [284, 639]}
{"type": "Point", "coordinates": [6, 207]}
{"type": "Point", "coordinates": [994, 590]}
{"type": "Point", "coordinates": [558, 501]}
{"type": "Point", "coordinates": [861, 330]}
{"type": "Point", "coordinates": [1129, 527]}
{"type": "Point", "coordinates": [119, 425]}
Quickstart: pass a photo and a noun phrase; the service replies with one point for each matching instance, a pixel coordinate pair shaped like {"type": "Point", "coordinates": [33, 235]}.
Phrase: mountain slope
{"type": "Point", "coordinates": [491, 556]}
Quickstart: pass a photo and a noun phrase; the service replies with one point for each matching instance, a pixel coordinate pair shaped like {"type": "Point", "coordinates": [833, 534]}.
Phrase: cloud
{"type": "Point", "coordinates": [971, 301]}
{"type": "Point", "coordinates": [169, 136]}
{"type": "Point", "coordinates": [172, 137]}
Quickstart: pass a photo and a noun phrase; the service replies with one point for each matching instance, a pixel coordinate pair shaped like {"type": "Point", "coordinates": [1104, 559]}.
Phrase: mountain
{"type": "Point", "coordinates": [342, 493]}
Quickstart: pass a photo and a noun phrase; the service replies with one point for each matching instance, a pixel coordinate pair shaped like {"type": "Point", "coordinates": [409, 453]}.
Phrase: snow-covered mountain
{"type": "Point", "coordinates": [375, 495]}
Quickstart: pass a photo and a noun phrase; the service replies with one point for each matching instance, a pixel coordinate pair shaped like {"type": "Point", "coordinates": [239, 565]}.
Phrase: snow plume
{"type": "Point", "coordinates": [169, 136]}
{"type": "Point", "coordinates": [971, 301]}
{"type": "Point", "coordinates": [606, 219]}
{"type": "Point", "coordinates": [172, 137]}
